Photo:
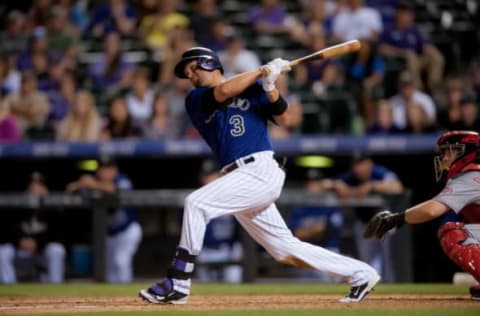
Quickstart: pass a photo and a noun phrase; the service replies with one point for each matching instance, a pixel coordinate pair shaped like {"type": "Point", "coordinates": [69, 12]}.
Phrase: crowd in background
{"type": "Point", "coordinates": [87, 71]}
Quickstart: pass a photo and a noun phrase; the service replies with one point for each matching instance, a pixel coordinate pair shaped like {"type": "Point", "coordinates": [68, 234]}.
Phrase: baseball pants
{"type": "Point", "coordinates": [248, 193]}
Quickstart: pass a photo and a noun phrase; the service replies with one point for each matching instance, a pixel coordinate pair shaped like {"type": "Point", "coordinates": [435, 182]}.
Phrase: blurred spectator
{"type": "Point", "coordinates": [383, 123]}
{"type": "Point", "coordinates": [37, 45]}
{"type": "Point", "coordinates": [83, 122]}
{"type": "Point", "coordinates": [37, 15]}
{"type": "Point", "coordinates": [161, 125]}
{"type": "Point", "coordinates": [60, 35]}
{"type": "Point", "coordinates": [34, 251]}
{"type": "Point", "coordinates": [42, 71]}
{"type": "Point", "coordinates": [111, 73]}
{"type": "Point", "coordinates": [365, 72]}
{"type": "Point", "coordinates": [203, 14]}
{"type": "Point", "coordinates": [113, 16]}
{"type": "Point", "coordinates": [119, 122]}
{"type": "Point", "coordinates": [220, 32]}
{"type": "Point", "coordinates": [449, 113]}
{"type": "Point", "coordinates": [268, 17]}
{"type": "Point", "coordinates": [409, 94]}
{"type": "Point", "coordinates": [356, 21]}
{"type": "Point", "coordinates": [313, 22]}
{"type": "Point", "coordinates": [294, 113]}
{"type": "Point", "coordinates": [10, 131]}
{"type": "Point", "coordinates": [366, 177]}
{"type": "Point", "coordinates": [236, 58]}
{"type": "Point", "coordinates": [10, 78]}
{"type": "Point", "coordinates": [222, 244]}
{"type": "Point", "coordinates": [144, 8]}
{"type": "Point", "coordinates": [140, 98]}
{"type": "Point", "coordinates": [29, 105]}
{"type": "Point", "coordinates": [124, 231]}
{"type": "Point", "coordinates": [175, 96]}
{"type": "Point", "coordinates": [62, 99]}
{"type": "Point", "coordinates": [386, 8]}
{"type": "Point", "coordinates": [157, 29]}
{"type": "Point", "coordinates": [77, 15]}
{"type": "Point", "coordinates": [13, 38]}
{"type": "Point", "coordinates": [318, 225]}
{"type": "Point", "coordinates": [469, 114]}
{"type": "Point", "coordinates": [320, 75]}
{"type": "Point", "coordinates": [404, 40]}
{"type": "Point", "coordinates": [418, 121]}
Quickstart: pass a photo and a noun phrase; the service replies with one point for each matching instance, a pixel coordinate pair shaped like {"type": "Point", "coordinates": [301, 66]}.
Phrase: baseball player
{"type": "Point", "coordinates": [232, 115]}
{"type": "Point", "coordinates": [457, 162]}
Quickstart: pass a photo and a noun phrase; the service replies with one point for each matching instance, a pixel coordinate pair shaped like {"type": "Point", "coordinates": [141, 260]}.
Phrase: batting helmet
{"type": "Point", "coordinates": [206, 58]}
{"type": "Point", "coordinates": [464, 144]}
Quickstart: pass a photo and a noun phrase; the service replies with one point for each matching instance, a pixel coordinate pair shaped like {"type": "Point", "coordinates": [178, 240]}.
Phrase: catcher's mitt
{"type": "Point", "coordinates": [382, 222]}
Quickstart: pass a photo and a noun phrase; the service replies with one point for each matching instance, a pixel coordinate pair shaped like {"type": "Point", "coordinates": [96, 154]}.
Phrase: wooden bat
{"type": "Point", "coordinates": [329, 52]}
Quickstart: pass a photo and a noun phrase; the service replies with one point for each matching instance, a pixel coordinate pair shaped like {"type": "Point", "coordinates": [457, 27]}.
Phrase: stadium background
{"type": "Point", "coordinates": [458, 41]}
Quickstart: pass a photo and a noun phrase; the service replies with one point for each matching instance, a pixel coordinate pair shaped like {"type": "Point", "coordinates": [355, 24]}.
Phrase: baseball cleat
{"type": "Point", "coordinates": [475, 292]}
{"type": "Point", "coordinates": [163, 293]}
{"type": "Point", "coordinates": [358, 293]}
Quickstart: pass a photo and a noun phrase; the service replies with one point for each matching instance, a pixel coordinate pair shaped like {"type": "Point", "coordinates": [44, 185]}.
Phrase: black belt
{"type": "Point", "coordinates": [234, 165]}
{"type": "Point", "coordinates": [281, 160]}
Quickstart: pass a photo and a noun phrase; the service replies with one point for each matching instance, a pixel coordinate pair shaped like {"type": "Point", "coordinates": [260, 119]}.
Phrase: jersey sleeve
{"type": "Point", "coordinates": [460, 191]}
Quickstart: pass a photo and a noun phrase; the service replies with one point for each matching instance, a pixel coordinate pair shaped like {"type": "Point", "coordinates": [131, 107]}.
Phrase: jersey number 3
{"type": "Point", "coordinates": [238, 125]}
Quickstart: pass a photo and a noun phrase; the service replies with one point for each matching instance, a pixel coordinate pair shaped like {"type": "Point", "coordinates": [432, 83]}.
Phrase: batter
{"type": "Point", "coordinates": [232, 116]}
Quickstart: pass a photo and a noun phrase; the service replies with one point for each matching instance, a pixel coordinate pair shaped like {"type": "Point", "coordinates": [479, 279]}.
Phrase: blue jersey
{"type": "Point", "coordinates": [235, 128]}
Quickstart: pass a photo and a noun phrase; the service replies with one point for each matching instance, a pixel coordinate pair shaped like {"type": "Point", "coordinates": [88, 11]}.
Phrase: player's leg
{"type": "Point", "coordinates": [54, 254]}
{"type": "Point", "coordinates": [268, 228]}
{"type": "Point", "coordinates": [126, 245]}
{"type": "Point", "coordinates": [7, 269]}
{"type": "Point", "coordinates": [252, 186]}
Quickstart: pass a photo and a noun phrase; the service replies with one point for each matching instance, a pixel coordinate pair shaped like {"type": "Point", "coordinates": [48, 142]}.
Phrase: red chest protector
{"type": "Point", "coordinates": [471, 212]}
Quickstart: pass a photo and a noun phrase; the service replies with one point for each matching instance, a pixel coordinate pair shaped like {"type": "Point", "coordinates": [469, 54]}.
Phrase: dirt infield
{"type": "Point", "coordinates": [57, 304]}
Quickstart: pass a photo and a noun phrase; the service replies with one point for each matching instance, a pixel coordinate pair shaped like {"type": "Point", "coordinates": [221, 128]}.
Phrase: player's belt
{"type": "Point", "coordinates": [234, 165]}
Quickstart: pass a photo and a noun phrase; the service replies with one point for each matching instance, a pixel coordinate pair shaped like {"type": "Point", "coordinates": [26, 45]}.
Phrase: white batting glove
{"type": "Point", "coordinates": [282, 64]}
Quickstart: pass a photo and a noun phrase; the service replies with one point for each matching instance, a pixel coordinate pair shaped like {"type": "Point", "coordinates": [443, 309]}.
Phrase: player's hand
{"type": "Point", "coordinates": [282, 64]}
{"type": "Point", "coordinates": [383, 222]}
{"type": "Point", "coordinates": [271, 71]}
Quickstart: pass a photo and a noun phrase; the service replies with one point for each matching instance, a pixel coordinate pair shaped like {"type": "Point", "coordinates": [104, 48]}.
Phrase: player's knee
{"type": "Point", "coordinates": [193, 205]}
{"type": "Point", "coordinates": [451, 235]}
{"type": "Point", "coordinates": [7, 252]}
{"type": "Point", "coordinates": [55, 250]}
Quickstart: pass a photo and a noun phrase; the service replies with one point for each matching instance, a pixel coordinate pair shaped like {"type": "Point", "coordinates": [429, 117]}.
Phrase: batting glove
{"type": "Point", "coordinates": [272, 71]}
{"type": "Point", "coordinates": [282, 64]}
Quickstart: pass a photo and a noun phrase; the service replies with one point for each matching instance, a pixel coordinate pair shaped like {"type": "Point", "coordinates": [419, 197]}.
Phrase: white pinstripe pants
{"type": "Point", "coordinates": [248, 193]}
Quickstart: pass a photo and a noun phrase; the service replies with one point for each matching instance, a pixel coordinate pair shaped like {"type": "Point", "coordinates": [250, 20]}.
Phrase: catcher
{"type": "Point", "coordinates": [457, 162]}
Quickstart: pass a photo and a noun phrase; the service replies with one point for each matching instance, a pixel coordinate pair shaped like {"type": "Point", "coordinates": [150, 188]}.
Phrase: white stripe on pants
{"type": "Point", "coordinates": [249, 193]}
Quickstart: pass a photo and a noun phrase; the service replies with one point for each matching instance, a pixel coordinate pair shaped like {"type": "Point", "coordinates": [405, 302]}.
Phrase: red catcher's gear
{"type": "Point", "coordinates": [451, 235]}
{"type": "Point", "coordinates": [465, 144]}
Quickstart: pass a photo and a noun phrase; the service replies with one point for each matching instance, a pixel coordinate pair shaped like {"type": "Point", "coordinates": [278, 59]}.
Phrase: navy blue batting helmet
{"type": "Point", "coordinates": [206, 58]}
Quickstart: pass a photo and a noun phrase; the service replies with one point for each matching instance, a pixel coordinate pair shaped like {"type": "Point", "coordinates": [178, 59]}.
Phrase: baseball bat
{"type": "Point", "coordinates": [328, 52]}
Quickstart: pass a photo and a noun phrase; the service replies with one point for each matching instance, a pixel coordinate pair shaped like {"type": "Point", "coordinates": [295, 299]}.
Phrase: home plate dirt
{"type": "Point", "coordinates": [61, 304]}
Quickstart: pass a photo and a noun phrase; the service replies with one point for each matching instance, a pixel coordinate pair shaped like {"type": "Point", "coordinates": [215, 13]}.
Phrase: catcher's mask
{"type": "Point", "coordinates": [206, 59]}
{"type": "Point", "coordinates": [461, 147]}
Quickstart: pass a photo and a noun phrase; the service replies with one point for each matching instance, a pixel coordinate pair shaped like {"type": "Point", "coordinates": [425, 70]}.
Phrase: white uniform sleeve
{"type": "Point", "coordinates": [460, 191]}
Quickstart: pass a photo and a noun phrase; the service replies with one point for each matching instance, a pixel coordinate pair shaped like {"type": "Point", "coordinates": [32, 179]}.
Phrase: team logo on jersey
{"type": "Point", "coordinates": [240, 103]}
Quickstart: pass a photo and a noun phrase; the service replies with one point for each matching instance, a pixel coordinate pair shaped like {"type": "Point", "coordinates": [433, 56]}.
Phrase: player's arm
{"type": "Point", "coordinates": [425, 212]}
{"type": "Point", "coordinates": [384, 221]}
{"type": "Point", "coordinates": [235, 85]}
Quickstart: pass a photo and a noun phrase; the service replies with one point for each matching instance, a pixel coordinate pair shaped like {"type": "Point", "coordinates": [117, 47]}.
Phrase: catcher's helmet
{"type": "Point", "coordinates": [463, 144]}
{"type": "Point", "coordinates": [206, 58]}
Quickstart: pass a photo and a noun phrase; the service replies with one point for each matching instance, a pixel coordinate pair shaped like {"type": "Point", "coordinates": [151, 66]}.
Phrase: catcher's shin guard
{"type": "Point", "coordinates": [451, 235]}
